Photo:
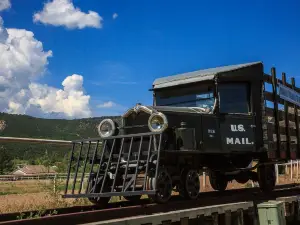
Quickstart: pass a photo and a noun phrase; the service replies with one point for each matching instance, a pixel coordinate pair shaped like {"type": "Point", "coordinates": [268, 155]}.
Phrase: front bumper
{"type": "Point", "coordinates": [114, 166]}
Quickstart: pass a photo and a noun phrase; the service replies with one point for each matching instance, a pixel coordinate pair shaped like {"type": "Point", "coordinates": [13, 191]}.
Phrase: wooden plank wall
{"type": "Point", "coordinates": [282, 122]}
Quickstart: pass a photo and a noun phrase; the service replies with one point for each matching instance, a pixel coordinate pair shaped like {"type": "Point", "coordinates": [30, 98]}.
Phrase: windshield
{"type": "Point", "coordinates": [201, 100]}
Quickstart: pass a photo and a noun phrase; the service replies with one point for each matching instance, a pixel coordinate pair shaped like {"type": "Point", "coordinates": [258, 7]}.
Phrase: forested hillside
{"type": "Point", "coordinates": [30, 127]}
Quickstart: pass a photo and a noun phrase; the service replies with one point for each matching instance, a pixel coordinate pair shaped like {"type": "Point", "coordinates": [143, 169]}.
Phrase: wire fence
{"type": "Point", "coordinates": [41, 176]}
{"type": "Point", "coordinates": [291, 168]}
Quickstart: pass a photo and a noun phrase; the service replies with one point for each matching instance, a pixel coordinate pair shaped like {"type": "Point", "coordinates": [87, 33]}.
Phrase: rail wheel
{"type": "Point", "coordinates": [163, 185]}
{"type": "Point", "coordinates": [102, 202]}
{"type": "Point", "coordinates": [266, 177]}
{"type": "Point", "coordinates": [218, 181]}
{"type": "Point", "coordinates": [242, 177]}
{"type": "Point", "coordinates": [190, 184]}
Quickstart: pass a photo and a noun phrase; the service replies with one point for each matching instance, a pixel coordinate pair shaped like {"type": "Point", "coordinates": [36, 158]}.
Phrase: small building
{"type": "Point", "coordinates": [28, 170]}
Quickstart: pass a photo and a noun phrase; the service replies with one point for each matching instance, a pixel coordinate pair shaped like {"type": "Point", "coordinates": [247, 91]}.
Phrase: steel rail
{"type": "Point", "coordinates": [205, 199]}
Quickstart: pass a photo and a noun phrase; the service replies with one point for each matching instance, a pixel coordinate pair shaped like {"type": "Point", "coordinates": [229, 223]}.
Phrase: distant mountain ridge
{"type": "Point", "coordinates": [13, 125]}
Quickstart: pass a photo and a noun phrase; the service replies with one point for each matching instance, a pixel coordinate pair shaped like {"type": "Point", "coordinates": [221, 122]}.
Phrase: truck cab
{"type": "Point", "coordinates": [228, 100]}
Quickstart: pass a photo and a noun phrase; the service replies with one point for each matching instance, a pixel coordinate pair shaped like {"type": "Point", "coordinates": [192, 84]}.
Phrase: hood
{"type": "Point", "coordinates": [135, 120]}
{"type": "Point", "coordinates": [153, 109]}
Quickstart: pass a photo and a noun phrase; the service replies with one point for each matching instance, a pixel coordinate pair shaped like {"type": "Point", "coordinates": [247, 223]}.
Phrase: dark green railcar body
{"type": "Point", "coordinates": [215, 120]}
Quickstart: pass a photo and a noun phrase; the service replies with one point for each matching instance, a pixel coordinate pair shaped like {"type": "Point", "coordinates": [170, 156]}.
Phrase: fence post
{"type": "Point", "coordinates": [82, 183]}
{"type": "Point", "coordinates": [54, 184]}
{"type": "Point", "coordinates": [277, 173]}
{"type": "Point", "coordinates": [291, 170]}
{"type": "Point", "coordinates": [297, 169]}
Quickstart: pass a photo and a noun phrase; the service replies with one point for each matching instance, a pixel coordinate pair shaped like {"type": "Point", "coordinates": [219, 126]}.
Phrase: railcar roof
{"type": "Point", "coordinates": [197, 76]}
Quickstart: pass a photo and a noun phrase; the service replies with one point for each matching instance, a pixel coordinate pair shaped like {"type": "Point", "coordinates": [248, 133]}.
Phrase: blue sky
{"type": "Point", "coordinates": [150, 39]}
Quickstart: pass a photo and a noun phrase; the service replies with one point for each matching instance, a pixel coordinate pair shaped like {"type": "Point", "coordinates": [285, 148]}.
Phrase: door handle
{"type": "Point", "coordinates": [252, 126]}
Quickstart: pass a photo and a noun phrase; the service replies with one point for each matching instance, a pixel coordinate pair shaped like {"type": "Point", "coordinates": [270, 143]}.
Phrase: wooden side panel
{"type": "Point", "coordinates": [282, 122]}
{"type": "Point", "coordinates": [296, 121]}
{"type": "Point", "coordinates": [275, 112]}
{"type": "Point", "coordinates": [287, 143]}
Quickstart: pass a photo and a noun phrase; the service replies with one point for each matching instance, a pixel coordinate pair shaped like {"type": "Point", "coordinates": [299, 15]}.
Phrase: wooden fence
{"type": "Point", "coordinates": [61, 176]}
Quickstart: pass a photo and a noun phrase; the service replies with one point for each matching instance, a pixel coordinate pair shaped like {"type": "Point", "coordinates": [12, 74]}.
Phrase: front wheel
{"type": "Point", "coordinates": [95, 188]}
{"type": "Point", "coordinates": [218, 181]}
{"type": "Point", "coordinates": [163, 185]}
{"type": "Point", "coordinates": [266, 177]}
{"type": "Point", "coordinates": [242, 177]}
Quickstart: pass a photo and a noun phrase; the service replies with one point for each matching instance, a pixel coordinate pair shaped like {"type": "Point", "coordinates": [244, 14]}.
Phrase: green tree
{"type": "Point", "coordinates": [45, 160]}
{"type": "Point", "coordinates": [6, 161]}
{"type": "Point", "coordinates": [57, 129]}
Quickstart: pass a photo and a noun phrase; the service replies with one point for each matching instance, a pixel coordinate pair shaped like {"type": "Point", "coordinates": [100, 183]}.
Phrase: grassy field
{"type": "Point", "coordinates": [27, 195]}
{"type": "Point", "coordinates": [16, 196]}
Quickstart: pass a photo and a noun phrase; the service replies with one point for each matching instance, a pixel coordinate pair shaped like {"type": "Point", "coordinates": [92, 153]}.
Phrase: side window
{"type": "Point", "coordinates": [234, 98]}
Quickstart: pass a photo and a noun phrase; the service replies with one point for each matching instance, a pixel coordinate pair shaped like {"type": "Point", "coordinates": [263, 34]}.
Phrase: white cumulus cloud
{"type": "Point", "coordinates": [4, 4]}
{"type": "Point", "coordinates": [108, 104]}
{"type": "Point", "coordinates": [71, 100]}
{"type": "Point", "coordinates": [64, 13]}
{"type": "Point", "coordinates": [22, 61]}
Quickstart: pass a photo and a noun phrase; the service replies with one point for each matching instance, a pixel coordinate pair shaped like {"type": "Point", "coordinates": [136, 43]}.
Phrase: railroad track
{"type": "Point", "coordinates": [88, 214]}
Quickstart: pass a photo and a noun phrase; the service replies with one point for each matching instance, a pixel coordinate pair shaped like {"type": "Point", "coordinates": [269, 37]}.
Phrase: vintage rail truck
{"type": "Point", "coordinates": [218, 120]}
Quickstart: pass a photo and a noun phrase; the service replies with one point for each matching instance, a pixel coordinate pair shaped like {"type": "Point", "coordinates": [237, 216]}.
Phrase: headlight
{"type": "Point", "coordinates": [106, 128]}
{"type": "Point", "coordinates": [157, 122]}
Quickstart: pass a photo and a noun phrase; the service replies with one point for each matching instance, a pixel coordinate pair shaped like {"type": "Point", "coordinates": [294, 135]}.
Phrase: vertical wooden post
{"type": "Point", "coordinates": [253, 214]}
{"type": "Point", "coordinates": [274, 89]}
{"type": "Point", "coordinates": [298, 210]}
{"type": "Point", "coordinates": [287, 209]}
{"type": "Point", "coordinates": [277, 173]}
{"type": "Point", "coordinates": [296, 118]}
{"type": "Point", "coordinates": [184, 221]}
{"type": "Point", "coordinates": [54, 184]}
{"type": "Point", "coordinates": [293, 210]}
{"type": "Point", "coordinates": [215, 218]}
{"type": "Point", "coordinates": [287, 124]}
{"type": "Point", "coordinates": [297, 169]}
{"type": "Point", "coordinates": [201, 219]}
{"type": "Point", "coordinates": [228, 217]}
{"type": "Point", "coordinates": [240, 217]}
{"type": "Point", "coordinates": [295, 205]}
